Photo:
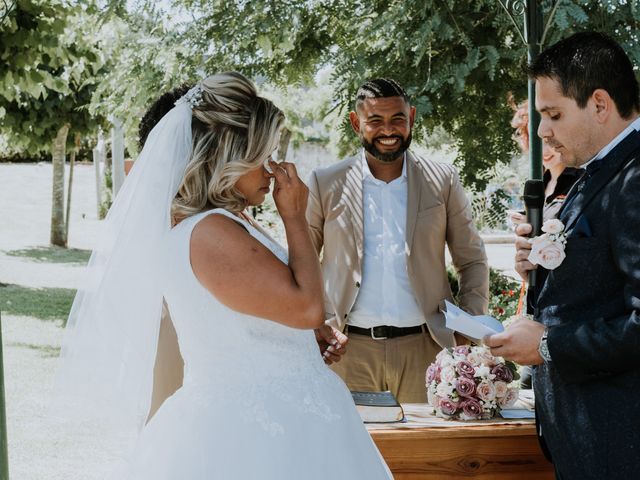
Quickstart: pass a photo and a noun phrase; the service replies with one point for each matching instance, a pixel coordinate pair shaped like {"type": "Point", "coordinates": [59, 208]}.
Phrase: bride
{"type": "Point", "coordinates": [257, 401]}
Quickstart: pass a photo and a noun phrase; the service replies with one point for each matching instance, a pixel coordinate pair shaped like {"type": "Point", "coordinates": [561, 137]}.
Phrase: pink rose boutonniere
{"type": "Point", "coordinates": [547, 250]}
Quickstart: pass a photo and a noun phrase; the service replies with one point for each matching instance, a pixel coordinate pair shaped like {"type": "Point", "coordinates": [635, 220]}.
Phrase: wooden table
{"type": "Point", "coordinates": [484, 451]}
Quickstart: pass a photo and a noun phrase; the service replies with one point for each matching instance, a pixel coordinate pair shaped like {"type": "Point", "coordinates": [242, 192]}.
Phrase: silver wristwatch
{"type": "Point", "coordinates": [543, 348]}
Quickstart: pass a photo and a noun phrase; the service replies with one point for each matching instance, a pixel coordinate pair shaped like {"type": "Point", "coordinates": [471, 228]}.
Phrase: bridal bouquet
{"type": "Point", "coordinates": [468, 383]}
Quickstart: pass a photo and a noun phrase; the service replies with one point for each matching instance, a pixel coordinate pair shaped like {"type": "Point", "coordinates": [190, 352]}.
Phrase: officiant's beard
{"type": "Point", "coordinates": [387, 157]}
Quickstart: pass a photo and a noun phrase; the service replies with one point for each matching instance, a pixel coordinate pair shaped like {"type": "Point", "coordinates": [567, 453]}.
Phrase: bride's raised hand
{"type": "Point", "coordinates": [289, 193]}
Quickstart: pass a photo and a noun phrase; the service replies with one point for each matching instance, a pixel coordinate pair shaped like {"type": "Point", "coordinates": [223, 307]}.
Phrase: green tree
{"type": "Point", "coordinates": [48, 70]}
{"type": "Point", "coordinates": [146, 56]}
{"type": "Point", "coordinates": [458, 59]}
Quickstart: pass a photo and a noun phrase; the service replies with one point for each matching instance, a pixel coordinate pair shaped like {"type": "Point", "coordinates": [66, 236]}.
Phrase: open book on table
{"type": "Point", "coordinates": [378, 407]}
{"type": "Point", "coordinates": [473, 326]}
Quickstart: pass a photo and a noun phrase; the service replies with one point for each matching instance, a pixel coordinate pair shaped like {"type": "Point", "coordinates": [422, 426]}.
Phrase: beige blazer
{"type": "Point", "coordinates": [438, 214]}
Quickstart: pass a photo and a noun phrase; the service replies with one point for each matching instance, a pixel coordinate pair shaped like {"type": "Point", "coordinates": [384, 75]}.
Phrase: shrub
{"type": "Point", "coordinates": [503, 293]}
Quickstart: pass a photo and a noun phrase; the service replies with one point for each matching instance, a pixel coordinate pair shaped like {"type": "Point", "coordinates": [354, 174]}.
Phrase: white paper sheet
{"type": "Point", "coordinates": [473, 326]}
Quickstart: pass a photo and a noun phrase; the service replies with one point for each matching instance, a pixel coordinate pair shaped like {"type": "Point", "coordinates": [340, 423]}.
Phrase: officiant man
{"type": "Point", "coordinates": [585, 339]}
{"type": "Point", "coordinates": [380, 221]}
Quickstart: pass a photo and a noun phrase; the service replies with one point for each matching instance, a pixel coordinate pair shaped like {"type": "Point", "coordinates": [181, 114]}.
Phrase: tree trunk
{"type": "Point", "coordinates": [72, 162]}
{"type": "Point", "coordinates": [117, 155]}
{"type": "Point", "coordinates": [58, 236]}
{"type": "Point", "coordinates": [283, 147]}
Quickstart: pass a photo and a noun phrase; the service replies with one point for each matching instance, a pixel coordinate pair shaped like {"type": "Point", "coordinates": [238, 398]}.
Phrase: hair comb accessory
{"type": "Point", "coordinates": [193, 97]}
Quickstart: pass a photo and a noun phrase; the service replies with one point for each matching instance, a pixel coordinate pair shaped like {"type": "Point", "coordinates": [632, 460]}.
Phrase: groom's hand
{"type": "Point", "coordinates": [332, 343]}
{"type": "Point", "coordinates": [519, 342]}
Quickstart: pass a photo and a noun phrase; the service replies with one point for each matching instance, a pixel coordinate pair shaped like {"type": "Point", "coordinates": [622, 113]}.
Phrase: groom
{"type": "Point", "coordinates": [585, 340]}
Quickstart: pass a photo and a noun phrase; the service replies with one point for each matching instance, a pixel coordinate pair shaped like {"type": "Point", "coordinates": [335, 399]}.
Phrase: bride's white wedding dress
{"type": "Point", "coordinates": [258, 402]}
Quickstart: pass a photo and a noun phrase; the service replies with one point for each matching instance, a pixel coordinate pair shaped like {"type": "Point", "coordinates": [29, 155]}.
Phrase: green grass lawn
{"type": "Point", "coordinates": [42, 303]}
{"type": "Point", "coordinates": [52, 254]}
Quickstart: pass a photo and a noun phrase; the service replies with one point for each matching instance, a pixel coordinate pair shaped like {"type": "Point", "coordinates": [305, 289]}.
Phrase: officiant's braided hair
{"type": "Point", "coordinates": [380, 88]}
{"type": "Point", "coordinates": [234, 130]}
{"type": "Point", "coordinates": [585, 62]}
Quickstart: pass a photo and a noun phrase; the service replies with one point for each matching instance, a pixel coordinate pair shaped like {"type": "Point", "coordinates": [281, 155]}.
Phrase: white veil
{"type": "Point", "coordinates": [106, 365]}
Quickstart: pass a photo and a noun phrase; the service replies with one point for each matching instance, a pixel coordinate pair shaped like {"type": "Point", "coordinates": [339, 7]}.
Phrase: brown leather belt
{"type": "Point", "coordinates": [384, 332]}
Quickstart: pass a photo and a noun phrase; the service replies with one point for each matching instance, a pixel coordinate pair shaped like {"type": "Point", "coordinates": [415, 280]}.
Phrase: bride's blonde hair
{"type": "Point", "coordinates": [234, 130]}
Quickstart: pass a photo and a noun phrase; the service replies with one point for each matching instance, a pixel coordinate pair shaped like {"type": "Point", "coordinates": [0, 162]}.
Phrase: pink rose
{"type": "Point", "coordinates": [474, 358]}
{"type": "Point", "coordinates": [509, 399]}
{"type": "Point", "coordinates": [447, 406]}
{"type": "Point", "coordinates": [462, 350]}
{"type": "Point", "coordinates": [486, 391]}
{"type": "Point", "coordinates": [552, 226]}
{"type": "Point", "coordinates": [471, 408]}
{"type": "Point", "coordinates": [465, 387]}
{"type": "Point", "coordinates": [433, 373]}
{"type": "Point", "coordinates": [501, 389]}
{"type": "Point", "coordinates": [486, 358]}
{"type": "Point", "coordinates": [502, 372]}
{"type": "Point", "coordinates": [465, 369]}
{"type": "Point", "coordinates": [546, 253]}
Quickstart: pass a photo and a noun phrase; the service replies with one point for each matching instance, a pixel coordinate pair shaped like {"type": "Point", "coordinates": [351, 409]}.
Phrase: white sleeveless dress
{"type": "Point", "coordinates": [257, 402]}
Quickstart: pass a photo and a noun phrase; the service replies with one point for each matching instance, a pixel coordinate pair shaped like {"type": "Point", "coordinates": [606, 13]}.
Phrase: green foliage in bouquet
{"type": "Point", "coordinates": [503, 293]}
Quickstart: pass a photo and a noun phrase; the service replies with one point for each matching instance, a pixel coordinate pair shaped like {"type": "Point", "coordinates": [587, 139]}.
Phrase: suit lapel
{"type": "Point", "coordinates": [580, 198]}
{"type": "Point", "coordinates": [352, 200]}
{"type": "Point", "coordinates": [414, 191]}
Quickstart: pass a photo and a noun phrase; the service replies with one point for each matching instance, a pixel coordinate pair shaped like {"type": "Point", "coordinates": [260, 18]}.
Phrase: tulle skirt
{"type": "Point", "coordinates": [202, 433]}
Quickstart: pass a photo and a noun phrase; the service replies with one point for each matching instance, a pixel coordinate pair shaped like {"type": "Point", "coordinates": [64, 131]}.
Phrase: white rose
{"type": "Point", "coordinates": [552, 226]}
{"type": "Point", "coordinates": [445, 361]}
{"type": "Point", "coordinates": [546, 253]}
{"type": "Point", "coordinates": [448, 374]}
{"type": "Point", "coordinates": [431, 398]}
{"type": "Point", "coordinates": [444, 390]}
{"type": "Point", "coordinates": [442, 354]}
{"type": "Point", "coordinates": [483, 372]}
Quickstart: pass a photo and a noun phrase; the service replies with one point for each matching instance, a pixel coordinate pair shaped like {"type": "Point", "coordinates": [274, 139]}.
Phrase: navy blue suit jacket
{"type": "Point", "coordinates": [588, 396]}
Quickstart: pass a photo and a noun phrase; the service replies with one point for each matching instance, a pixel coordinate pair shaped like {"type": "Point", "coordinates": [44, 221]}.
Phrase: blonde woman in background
{"type": "Point", "coordinates": [558, 179]}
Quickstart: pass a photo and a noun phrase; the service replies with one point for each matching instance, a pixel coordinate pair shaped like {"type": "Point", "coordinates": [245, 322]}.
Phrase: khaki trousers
{"type": "Point", "coordinates": [397, 364]}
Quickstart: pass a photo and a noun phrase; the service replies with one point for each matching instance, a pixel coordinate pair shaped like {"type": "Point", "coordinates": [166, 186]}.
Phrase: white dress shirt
{"type": "Point", "coordinates": [635, 125]}
{"type": "Point", "coordinates": [385, 296]}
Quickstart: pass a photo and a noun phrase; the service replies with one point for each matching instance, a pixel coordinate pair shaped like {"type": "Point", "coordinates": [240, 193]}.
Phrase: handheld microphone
{"type": "Point", "coordinates": [534, 203]}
